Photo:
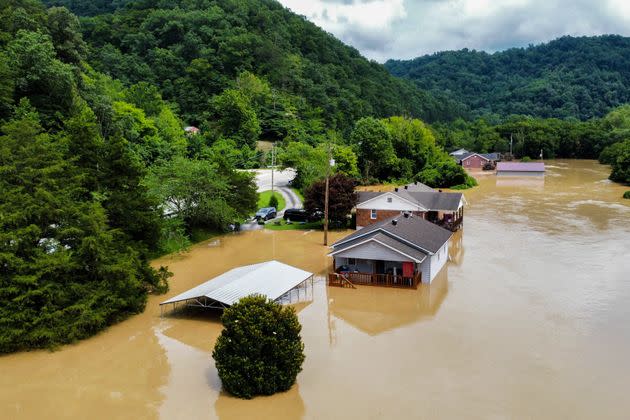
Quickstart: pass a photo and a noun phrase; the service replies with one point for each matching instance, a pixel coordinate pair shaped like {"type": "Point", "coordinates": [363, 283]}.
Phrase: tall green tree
{"type": "Point", "coordinates": [64, 274]}
{"type": "Point", "coordinates": [374, 147]}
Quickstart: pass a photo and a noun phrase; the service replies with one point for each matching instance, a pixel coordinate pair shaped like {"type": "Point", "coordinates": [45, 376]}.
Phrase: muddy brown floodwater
{"type": "Point", "coordinates": [529, 320]}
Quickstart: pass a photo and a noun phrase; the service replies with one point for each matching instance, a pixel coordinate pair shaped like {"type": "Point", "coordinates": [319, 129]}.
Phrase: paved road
{"type": "Point", "coordinates": [280, 178]}
{"type": "Point", "coordinates": [281, 181]}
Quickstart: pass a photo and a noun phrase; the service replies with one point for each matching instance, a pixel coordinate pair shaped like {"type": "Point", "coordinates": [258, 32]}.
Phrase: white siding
{"type": "Point", "coordinates": [437, 262]}
{"type": "Point", "coordinates": [397, 203]}
{"type": "Point", "coordinates": [425, 268]}
{"type": "Point", "coordinates": [372, 251]}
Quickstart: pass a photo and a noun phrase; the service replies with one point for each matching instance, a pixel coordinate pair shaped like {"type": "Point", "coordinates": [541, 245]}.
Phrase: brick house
{"type": "Point", "coordinates": [474, 161]}
{"type": "Point", "coordinates": [444, 209]}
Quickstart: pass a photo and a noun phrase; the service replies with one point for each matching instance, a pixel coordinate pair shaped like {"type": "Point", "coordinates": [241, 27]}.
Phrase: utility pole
{"type": "Point", "coordinates": [273, 164]}
{"type": "Point", "coordinates": [330, 162]}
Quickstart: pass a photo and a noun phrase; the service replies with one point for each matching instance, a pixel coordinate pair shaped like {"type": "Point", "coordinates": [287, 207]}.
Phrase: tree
{"type": "Point", "coordinates": [199, 193]}
{"type": "Point", "coordinates": [64, 273]}
{"type": "Point", "coordinates": [259, 351]}
{"type": "Point", "coordinates": [309, 162]}
{"type": "Point", "coordinates": [345, 160]}
{"type": "Point", "coordinates": [374, 145]}
{"type": "Point", "coordinates": [341, 197]}
{"type": "Point", "coordinates": [236, 118]}
{"type": "Point", "coordinates": [40, 76]}
{"type": "Point", "coordinates": [65, 31]}
{"type": "Point", "coordinates": [621, 164]}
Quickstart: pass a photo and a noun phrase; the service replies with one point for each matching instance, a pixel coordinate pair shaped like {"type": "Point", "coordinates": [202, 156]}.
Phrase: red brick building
{"type": "Point", "coordinates": [445, 209]}
{"type": "Point", "coordinates": [474, 161]}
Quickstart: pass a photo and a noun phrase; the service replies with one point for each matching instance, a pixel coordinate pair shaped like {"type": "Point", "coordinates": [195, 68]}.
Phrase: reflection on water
{"type": "Point", "coordinates": [374, 311]}
{"type": "Point", "coordinates": [284, 405]}
{"type": "Point", "coordinates": [531, 321]}
{"type": "Point", "coordinates": [528, 182]}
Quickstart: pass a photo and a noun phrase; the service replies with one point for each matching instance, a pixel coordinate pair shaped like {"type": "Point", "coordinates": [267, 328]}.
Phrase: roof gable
{"type": "Point", "coordinates": [418, 200]}
{"type": "Point", "coordinates": [474, 154]}
{"type": "Point", "coordinates": [390, 246]}
{"type": "Point", "coordinates": [398, 201]}
{"type": "Point", "coordinates": [413, 231]}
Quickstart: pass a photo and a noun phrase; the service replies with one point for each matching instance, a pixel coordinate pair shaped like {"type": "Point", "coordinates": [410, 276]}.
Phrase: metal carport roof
{"type": "Point", "coordinates": [272, 279]}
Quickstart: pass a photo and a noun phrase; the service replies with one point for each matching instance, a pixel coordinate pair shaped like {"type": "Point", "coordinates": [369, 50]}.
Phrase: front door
{"type": "Point", "coordinates": [379, 267]}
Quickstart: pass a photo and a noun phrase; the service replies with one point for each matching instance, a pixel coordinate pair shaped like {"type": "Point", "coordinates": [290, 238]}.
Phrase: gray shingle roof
{"type": "Point", "coordinates": [411, 231]}
{"type": "Point", "coordinates": [387, 240]}
{"type": "Point", "coordinates": [416, 187]}
{"type": "Point", "coordinates": [431, 200]}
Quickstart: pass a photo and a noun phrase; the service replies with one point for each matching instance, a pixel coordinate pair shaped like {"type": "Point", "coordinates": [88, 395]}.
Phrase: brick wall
{"type": "Point", "coordinates": [474, 162]}
{"type": "Point", "coordinates": [364, 216]}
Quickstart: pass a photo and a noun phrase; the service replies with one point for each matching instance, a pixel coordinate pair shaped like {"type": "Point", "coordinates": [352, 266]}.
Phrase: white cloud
{"type": "Point", "coordinates": [383, 29]}
{"type": "Point", "coordinates": [367, 14]}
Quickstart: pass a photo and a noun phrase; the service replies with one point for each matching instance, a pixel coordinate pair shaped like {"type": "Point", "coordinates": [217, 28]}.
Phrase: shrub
{"type": "Point", "coordinates": [273, 201]}
{"type": "Point", "coordinates": [526, 159]}
{"type": "Point", "coordinates": [626, 195]}
{"type": "Point", "coordinates": [260, 351]}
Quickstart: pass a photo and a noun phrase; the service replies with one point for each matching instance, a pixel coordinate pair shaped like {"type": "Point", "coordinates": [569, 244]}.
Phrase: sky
{"type": "Point", "coordinates": [403, 29]}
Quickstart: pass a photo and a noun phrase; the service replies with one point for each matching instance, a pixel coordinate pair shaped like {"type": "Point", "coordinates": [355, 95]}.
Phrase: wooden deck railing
{"type": "Point", "coordinates": [452, 226]}
{"type": "Point", "coordinates": [367, 279]}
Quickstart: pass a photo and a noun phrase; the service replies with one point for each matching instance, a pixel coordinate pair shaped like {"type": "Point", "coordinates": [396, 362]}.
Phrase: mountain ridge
{"type": "Point", "coordinates": [569, 77]}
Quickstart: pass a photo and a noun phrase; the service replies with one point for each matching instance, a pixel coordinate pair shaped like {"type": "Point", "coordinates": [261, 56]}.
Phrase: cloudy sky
{"type": "Point", "coordinates": [383, 29]}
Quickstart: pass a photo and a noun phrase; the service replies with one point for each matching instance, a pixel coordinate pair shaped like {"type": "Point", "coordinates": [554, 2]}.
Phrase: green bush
{"type": "Point", "coordinates": [626, 195]}
{"type": "Point", "coordinates": [526, 159]}
{"type": "Point", "coordinates": [273, 201]}
{"type": "Point", "coordinates": [260, 351]}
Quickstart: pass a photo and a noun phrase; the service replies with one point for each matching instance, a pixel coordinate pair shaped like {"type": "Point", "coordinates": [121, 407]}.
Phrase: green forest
{"type": "Point", "coordinates": [570, 77]}
{"type": "Point", "coordinates": [98, 175]}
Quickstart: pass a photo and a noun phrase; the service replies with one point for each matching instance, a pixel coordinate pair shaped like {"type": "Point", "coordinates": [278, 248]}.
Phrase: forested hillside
{"type": "Point", "coordinates": [570, 77]}
{"type": "Point", "coordinates": [95, 178]}
{"type": "Point", "coordinates": [193, 50]}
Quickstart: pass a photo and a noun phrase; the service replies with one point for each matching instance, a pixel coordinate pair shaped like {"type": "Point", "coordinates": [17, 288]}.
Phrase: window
{"type": "Point", "coordinates": [389, 199]}
{"type": "Point", "coordinates": [352, 261]}
{"type": "Point", "coordinates": [373, 214]}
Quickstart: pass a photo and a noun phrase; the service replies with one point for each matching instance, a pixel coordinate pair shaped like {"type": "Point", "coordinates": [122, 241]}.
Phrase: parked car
{"type": "Point", "coordinates": [301, 215]}
{"type": "Point", "coordinates": [266, 213]}
{"type": "Point", "coordinates": [296, 215]}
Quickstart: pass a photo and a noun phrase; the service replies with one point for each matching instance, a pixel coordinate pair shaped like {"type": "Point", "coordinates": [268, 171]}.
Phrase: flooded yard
{"type": "Point", "coordinates": [529, 319]}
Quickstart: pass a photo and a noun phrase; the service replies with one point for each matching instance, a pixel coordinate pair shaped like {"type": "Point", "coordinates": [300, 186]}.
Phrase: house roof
{"type": "Point", "coordinates": [410, 231]}
{"type": "Point", "coordinates": [521, 167]}
{"type": "Point", "coordinates": [431, 200]}
{"type": "Point", "coordinates": [459, 152]}
{"type": "Point", "coordinates": [491, 156]}
{"type": "Point", "coordinates": [271, 279]}
{"type": "Point", "coordinates": [416, 186]}
{"type": "Point", "coordinates": [469, 155]}
{"type": "Point", "coordinates": [389, 242]}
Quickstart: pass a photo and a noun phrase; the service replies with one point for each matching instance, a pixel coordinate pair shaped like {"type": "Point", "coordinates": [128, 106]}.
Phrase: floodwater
{"type": "Point", "coordinates": [529, 320]}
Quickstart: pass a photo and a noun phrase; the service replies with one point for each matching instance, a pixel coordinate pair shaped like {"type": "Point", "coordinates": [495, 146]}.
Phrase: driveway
{"type": "Point", "coordinates": [281, 181]}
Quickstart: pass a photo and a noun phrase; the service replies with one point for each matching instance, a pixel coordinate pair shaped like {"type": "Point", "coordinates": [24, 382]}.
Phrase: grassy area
{"type": "Point", "coordinates": [283, 225]}
{"type": "Point", "coordinates": [298, 193]}
{"type": "Point", "coordinates": [263, 200]}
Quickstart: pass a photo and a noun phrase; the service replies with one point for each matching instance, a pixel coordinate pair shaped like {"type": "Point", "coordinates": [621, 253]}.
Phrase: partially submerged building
{"type": "Point", "coordinates": [520, 169]}
{"type": "Point", "coordinates": [401, 251]}
{"type": "Point", "coordinates": [272, 279]}
{"type": "Point", "coordinates": [441, 208]}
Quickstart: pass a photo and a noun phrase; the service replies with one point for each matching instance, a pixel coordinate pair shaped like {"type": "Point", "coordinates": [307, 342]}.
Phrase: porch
{"type": "Point", "coordinates": [349, 279]}
{"type": "Point", "coordinates": [452, 221]}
